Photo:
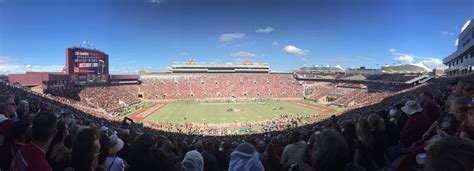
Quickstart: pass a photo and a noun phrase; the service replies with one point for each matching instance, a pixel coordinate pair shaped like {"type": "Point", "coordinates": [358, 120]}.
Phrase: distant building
{"type": "Point", "coordinates": [364, 71]}
{"type": "Point", "coordinates": [461, 61]}
{"type": "Point", "coordinates": [321, 70]}
{"type": "Point", "coordinates": [246, 67]}
{"type": "Point", "coordinates": [43, 80]}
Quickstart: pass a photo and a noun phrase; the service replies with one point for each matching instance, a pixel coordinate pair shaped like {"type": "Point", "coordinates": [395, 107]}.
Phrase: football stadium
{"type": "Point", "coordinates": [351, 99]}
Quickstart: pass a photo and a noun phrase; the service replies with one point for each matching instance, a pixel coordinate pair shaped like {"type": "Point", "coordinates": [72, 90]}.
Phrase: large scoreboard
{"type": "Point", "coordinates": [85, 61]}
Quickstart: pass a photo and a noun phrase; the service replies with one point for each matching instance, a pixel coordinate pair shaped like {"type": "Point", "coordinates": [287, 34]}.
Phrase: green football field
{"type": "Point", "coordinates": [218, 112]}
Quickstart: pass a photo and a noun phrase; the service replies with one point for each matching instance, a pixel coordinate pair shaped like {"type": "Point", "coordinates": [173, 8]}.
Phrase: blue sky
{"type": "Point", "coordinates": [287, 34]}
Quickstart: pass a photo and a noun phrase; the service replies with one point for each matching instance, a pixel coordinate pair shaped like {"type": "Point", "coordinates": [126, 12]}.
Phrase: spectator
{"type": "Point", "coordinates": [449, 122]}
{"type": "Point", "coordinates": [86, 150]}
{"type": "Point", "coordinates": [104, 152]}
{"type": "Point", "coordinates": [58, 155]}
{"type": "Point", "coordinates": [416, 125]}
{"type": "Point", "coordinates": [430, 108]}
{"type": "Point", "coordinates": [210, 160]}
{"type": "Point", "coordinates": [380, 138]}
{"type": "Point", "coordinates": [141, 155]}
{"type": "Point", "coordinates": [223, 155]}
{"type": "Point", "coordinates": [7, 108]}
{"type": "Point", "coordinates": [350, 136]}
{"type": "Point", "coordinates": [450, 153]}
{"type": "Point", "coordinates": [23, 110]}
{"type": "Point", "coordinates": [400, 118]}
{"type": "Point", "coordinates": [245, 158]}
{"type": "Point", "coordinates": [413, 131]}
{"type": "Point", "coordinates": [330, 152]}
{"type": "Point", "coordinates": [466, 130]}
{"type": "Point", "coordinates": [17, 138]}
{"type": "Point", "coordinates": [390, 127]}
{"type": "Point", "coordinates": [467, 88]}
{"type": "Point", "coordinates": [364, 145]}
{"type": "Point", "coordinates": [193, 161]}
{"type": "Point", "coordinates": [271, 159]}
{"type": "Point", "coordinates": [113, 162]}
{"type": "Point", "coordinates": [295, 152]}
{"type": "Point", "coordinates": [32, 156]}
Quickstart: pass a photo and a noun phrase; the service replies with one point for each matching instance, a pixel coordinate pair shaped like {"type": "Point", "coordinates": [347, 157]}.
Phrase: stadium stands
{"type": "Point", "coordinates": [355, 139]}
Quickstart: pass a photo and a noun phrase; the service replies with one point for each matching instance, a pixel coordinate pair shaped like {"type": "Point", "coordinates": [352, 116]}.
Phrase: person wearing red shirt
{"type": "Point", "coordinates": [31, 157]}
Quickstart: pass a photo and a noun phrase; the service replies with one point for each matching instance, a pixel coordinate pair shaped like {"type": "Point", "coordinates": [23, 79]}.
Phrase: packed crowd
{"type": "Point", "coordinates": [107, 98]}
{"type": "Point", "coordinates": [349, 95]}
{"type": "Point", "coordinates": [219, 86]}
{"type": "Point", "coordinates": [428, 127]}
{"type": "Point", "coordinates": [279, 123]}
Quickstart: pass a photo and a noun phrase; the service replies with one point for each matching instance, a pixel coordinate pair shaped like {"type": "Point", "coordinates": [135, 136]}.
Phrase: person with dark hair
{"type": "Point", "coordinates": [271, 159]}
{"type": "Point", "coordinates": [32, 156]}
{"type": "Point", "coordinates": [223, 155]}
{"type": "Point", "coordinates": [391, 130]}
{"type": "Point", "coordinates": [380, 139]}
{"type": "Point", "coordinates": [58, 155]}
{"type": "Point", "coordinates": [450, 153]}
{"type": "Point", "coordinates": [330, 152]}
{"type": "Point", "coordinates": [140, 154]}
{"type": "Point", "coordinates": [295, 152]}
{"type": "Point", "coordinates": [350, 136]}
{"type": "Point", "coordinates": [104, 152]}
{"type": "Point", "coordinates": [430, 108]}
{"type": "Point", "coordinates": [23, 109]}
{"type": "Point", "coordinates": [210, 160]}
{"type": "Point", "coordinates": [16, 139]}
{"type": "Point", "coordinates": [86, 150]}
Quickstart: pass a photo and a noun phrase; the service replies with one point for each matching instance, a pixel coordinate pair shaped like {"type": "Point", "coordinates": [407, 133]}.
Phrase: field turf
{"type": "Point", "coordinates": [212, 112]}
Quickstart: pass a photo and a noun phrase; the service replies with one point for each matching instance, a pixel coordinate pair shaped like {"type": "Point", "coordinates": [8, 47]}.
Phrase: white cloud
{"type": "Point", "coordinates": [265, 30]}
{"type": "Point", "coordinates": [9, 65]}
{"type": "Point", "coordinates": [275, 43]}
{"type": "Point", "coordinates": [156, 2]}
{"type": "Point", "coordinates": [294, 51]}
{"type": "Point", "coordinates": [445, 33]}
{"type": "Point", "coordinates": [11, 69]}
{"type": "Point", "coordinates": [392, 50]}
{"type": "Point", "coordinates": [404, 58]}
{"type": "Point", "coordinates": [432, 61]}
{"type": "Point", "coordinates": [242, 54]}
{"type": "Point", "coordinates": [228, 37]}
{"type": "Point", "coordinates": [426, 62]}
